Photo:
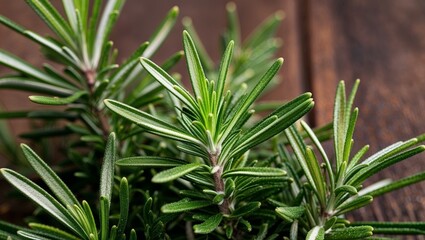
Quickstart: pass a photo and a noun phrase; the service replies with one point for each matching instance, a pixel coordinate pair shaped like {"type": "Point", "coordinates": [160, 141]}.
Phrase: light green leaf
{"type": "Point", "coordinates": [196, 72]}
{"type": "Point", "coordinates": [224, 67]}
{"type": "Point", "coordinates": [53, 19]}
{"type": "Point", "coordinates": [56, 100]}
{"type": "Point", "coordinates": [52, 46]}
{"type": "Point", "coordinates": [162, 32]}
{"type": "Point", "coordinates": [346, 189]}
{"type": "Point", "coordinates": [52, 180]}
{"type": "Point", "coordinates": [32, 236]}
{"type": "Point", "coordinates": [322, 152]}
{"type": "Point", "coordinates": [398, 184]}
{"type": "Point", "coordinates": [339, 122]}
{"type": "Point", "coordinates": [125, 69]}
{"type": "Point", "coordinates": [169, 83]}
{"type": "Point", "coordinates": [316, 173]}
{"type": "Point", "coordinates": [254, 172]}
{"type": "Point", "coordinates": [184, 206]}
{"type": "Point", "coordinates": [149, 122]}
{"type": "Point", "coordinates": [395, 228]}
{"type": "Point", "coordinates": [359, 232]}
{"type": "Point", "coordinates": [12, 25]}
{"type": "Point", "coordinates": [316, 233]}
{"type": "Point", "coordinates": [275, 123]}
{"type": "Point", "coordinates": [42, 198]}
{"type": "Point", "coordinates": [206, 60]}
{"type": "Point", "coordinates": [233, 28]}
{"type": "Point", "coordinates": [290, 213]}
{"type": "Point", "coordinates": [106, 23]}
{"type": "Point", "coordinates": [299, 150]}
{"type": "Point", "coordinates": [104, 218]}
{"type": "Point", "coordinates": [107, 170]}
{"type": "Point", "coordinates": [52, 231]}
{"type": "Point", "coordinates": [377, 166]}
{"type": "Point", "coordinates": [209, 225]}
{"type": "Point", "coordinates": [174, 173]}
{"type": "Point", "coordinates": [149, 161]}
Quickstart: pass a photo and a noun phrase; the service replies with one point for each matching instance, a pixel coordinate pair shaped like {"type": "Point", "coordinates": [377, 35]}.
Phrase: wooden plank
{"type": "Point", "coordinates": [209, 18]}
{"type": "Point", "coordinates": [382, 43]}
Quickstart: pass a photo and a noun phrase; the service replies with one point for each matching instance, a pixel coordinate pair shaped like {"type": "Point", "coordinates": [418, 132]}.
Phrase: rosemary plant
{"type": "Point", "coordinates": [86, 73]}
{"type": "Point", "coordinates": [187, 164]}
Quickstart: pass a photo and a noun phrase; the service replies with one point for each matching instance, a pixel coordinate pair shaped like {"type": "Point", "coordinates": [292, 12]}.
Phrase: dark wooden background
{"type": "Point", "coordinates": [382, 42]}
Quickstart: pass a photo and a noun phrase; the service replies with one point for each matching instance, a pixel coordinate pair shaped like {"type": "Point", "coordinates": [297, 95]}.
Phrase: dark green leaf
{"type": "Point", "coordinates": [42, 198]}
{"type": "Point", "coordinates": [20, 65]}
{"type": "Point", "coordinates": [52, 180]}
{"type": "Point", "coordinates": [246, 209]}
{"type": "Point", "coordinates": [25, 84]}
{"type": "Point", "coordinates": [209, 225]}
{"type": "Point", "coordinates": [355, 203]}
{"type": "Point", "coordinates": [150, 161]}
{"type": "Point", "coordinates": [124, 206]}
{"type": "Point", "coordinates": [107, 169]}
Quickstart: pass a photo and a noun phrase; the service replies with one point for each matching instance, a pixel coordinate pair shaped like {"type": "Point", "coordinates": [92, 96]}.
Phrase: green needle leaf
{"type": "Point", "coordinates": [360, 232]}
{"type": "Point", "coordinates": [316, 233]}
{"type": "Point", "coordinates": [57, 100]}
{"type": "Point", "coordinates": [52, 180]}
{"type": "Point", "coordinates": [290, 213]}
{"type": "Point", "coordinates": [247, 100]}
{"type": "Point", "coordinates": [149, 122]}
{"type": "Point", "coordinates": [196, 72]}
{"type": "Point", "coordinates": [255, 172]}
{"type": "Point", "coordinates": [209, 225]}
{"type": "Point", "coordinates": [398, 184]}
{"type": "Point", "coordinates": [174, 173]}
{"type": "Point", "coordinates": [20, 65]}
{"type": "Point", "coordinates": [351, 205]}
{"type": "Point", "coordinates": [162, 32]}
{"type": "Point", "coordinates": [184, 206]}
{"type": "Point", "coordinates": [246, 209]}
{"type": "Point", "coordinates": [58, 233]}
{"type": "Point", "coordinates": [150, 162]}
{"type": "Point", "coordinates": [25, 84]}
{"type": "Point", "coordinates": [42, 198]}
{"type": "Point", "coordinates": [107, 170]}
{"type": "Point", "coordinates": [124, 206]}
{"type": "Point", "coordinates": [53, 19]}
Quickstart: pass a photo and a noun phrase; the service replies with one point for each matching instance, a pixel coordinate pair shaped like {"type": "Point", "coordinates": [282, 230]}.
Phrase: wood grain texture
{"type": "Point", "coordinates": [380, 42]}
{"type": "Point", "coordinates": [209, 18]}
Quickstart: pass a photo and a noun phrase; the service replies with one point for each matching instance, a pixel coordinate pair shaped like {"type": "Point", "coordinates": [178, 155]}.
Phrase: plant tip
{"type": "Point", "coordinates": [175, 10]}
{"type": "Point", "coordinates": [231, 6]}
{"type": "Point", "coordinates": [187, 21]}
{"type": "Point", "coordinates": [279, 15]}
